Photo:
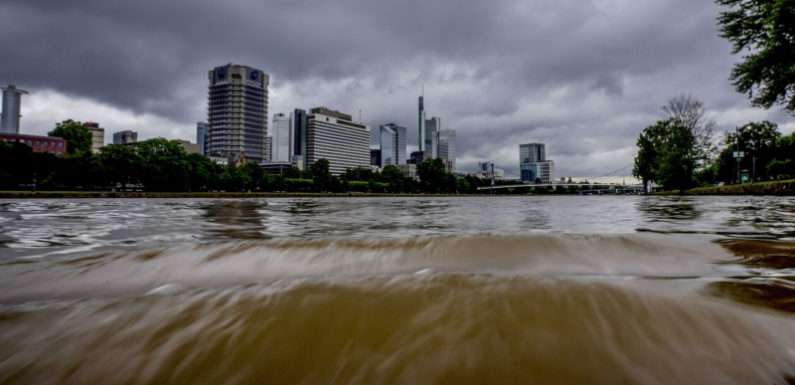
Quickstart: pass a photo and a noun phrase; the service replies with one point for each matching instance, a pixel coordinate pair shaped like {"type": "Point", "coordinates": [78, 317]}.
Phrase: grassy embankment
{"type": "Point", "coordinates": [778, 187]}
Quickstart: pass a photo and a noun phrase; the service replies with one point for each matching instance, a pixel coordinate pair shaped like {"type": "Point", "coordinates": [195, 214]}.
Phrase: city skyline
{"type": "Point", "coordinates": [587, 101]}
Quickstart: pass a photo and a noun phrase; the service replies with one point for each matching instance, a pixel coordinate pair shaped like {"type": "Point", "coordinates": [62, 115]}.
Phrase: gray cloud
{"type": "Point", "coordinates": [585, 76]}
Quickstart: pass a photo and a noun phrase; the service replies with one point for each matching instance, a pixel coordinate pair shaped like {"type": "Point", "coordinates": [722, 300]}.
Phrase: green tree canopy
{"type": "Point", "coordinates": [765, 31]}
{"type": "Point", "coordinates": [321, 175]}
{"type": "Point", "coordinates": [434, 177]}
{"type": "Point", "coordinates": [758, 141]}
{"type": "Point", "coordinates": [666, 155]}
{"type": "Point", "coordinates": [78, 137]}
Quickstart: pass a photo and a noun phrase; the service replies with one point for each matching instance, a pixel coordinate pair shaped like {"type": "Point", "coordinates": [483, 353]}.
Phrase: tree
{"type": "Point", "coordinates": [16, 164]}
{"type": "Point", "coordinates": [392, 176]}
{"type": "Point", "coordinates": [163, 165]}
{"type": "Point", "coordinates": [358, 173]}
{"type": "Point", "coordinates": [433, 176]}
{"type": "Point", "coordinates": [78, 137]}
{"type": "Point", "coordinates": [691, 114]}
{"type": "Point", "coordinates": [647, 160]}
{"type": "Point", "coordinates": [758, 141]}
{"type": "Point", "coordinates": [666, 155]}
{"type": "Point", "coordinates": [766, 31]}
{"type": "Point", "coordinates": [677, 158]}
{"type": "Point", "coordinates": [121, 164]}
{"type": "Point", "coordinates": [321, 175]}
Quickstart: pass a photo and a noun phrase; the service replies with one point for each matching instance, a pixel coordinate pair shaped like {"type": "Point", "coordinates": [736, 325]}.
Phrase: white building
{"type": "Point", "coordinates": [12, 104]}
{"type": "Point", "coordinates": [334, 136]}
{"type": "Point", "coordinates": [97, 135]}
{"type": "Point", "coordinates": [282, 142]}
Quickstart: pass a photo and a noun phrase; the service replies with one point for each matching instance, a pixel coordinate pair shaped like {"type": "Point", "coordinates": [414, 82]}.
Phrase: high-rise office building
{"type": "Point", "coordinates": [402, 142]}
{"type": "Point", "coordinates": [387, 144]}
{"type": "Point", "coordinates": [334, 136]}
{"type": "Point", "coordinates": [12, 105]}
{"type": "Point", "coordinates": [97, 135]}
{"type": "Point", "coordinates": [375, 157]}
{"type": "Point", "coordinates": [431, 139]}
{"type": "Point", "coordinates": [421, 124]}
{"type": "Point", "coordinates": [238, 112]}
{"type": "Point", "coordinates": [268, 150]}
{"type": "Point", "coordinates": [281, 138]}
{"type": "Point", "coordinates": [392, 143]}
{"type": "Point", "coordinates": [298, 153]}
{"type": "Point", "coordinates": [532, 152]}
{"type": "Point", "coordinates": [533, 164]}
{"type": "Point", "coordinates": [202, 130]}
{"type": "Point", "coordinates": [447, 148]}
{"type": "Point", "coordinates": [125, 137]}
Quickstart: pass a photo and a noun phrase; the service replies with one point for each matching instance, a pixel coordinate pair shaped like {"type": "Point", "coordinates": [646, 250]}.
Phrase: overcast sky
{"type": "Point", "coordinates": [583, 76]}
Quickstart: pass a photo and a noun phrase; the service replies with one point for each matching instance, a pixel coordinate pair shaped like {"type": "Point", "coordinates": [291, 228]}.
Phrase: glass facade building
{"type": "Point", "coordinates": [125, 137]}
{"type": "Point", "coordinates": [430, 147]}
{"type": "Point", "coordinates": [392, 143]}
{"type": "Point", "coordinates": [447, 148]}
{"type": "Point", "coordinates": [201, 137]}
{"type": "Point", "coordinates": [533, 165]}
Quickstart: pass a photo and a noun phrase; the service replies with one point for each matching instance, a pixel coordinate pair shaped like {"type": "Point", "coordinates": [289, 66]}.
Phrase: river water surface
{"type": "Point", "coordinates": [470, 290]}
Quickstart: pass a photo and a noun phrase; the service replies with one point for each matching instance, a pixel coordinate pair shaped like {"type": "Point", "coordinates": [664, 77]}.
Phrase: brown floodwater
{"type": "Point", "coordinates": [471, 290]}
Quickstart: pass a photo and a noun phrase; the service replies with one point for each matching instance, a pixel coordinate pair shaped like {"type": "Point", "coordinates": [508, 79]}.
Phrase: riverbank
{"type": "Point", "coordinates": [150, 194]}
{"type": "Point", "coordinates": [778, 187]}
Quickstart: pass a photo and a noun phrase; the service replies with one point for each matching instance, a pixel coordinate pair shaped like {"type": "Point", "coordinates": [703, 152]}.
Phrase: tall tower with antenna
{"type": "Point", "coordinates": [12, 103]}
{"type": "Point", "coordinates": [421, 120]}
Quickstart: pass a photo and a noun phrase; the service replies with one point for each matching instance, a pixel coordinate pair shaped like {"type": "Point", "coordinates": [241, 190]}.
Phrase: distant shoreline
{"type": "Point", "coordinates": [770, 188]}
{"type": "Point", "coordinates": [151, 194]}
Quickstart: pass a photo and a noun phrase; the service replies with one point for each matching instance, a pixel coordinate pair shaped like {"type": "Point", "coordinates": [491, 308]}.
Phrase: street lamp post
{"type": "Point", "coordinates": [738, 155]}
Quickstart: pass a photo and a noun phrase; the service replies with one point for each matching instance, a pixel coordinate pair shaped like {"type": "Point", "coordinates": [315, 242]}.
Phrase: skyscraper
{"type": "Point", "coordinates": [299, 138]}
{"type": "Point", "coordinates": [532, 152]}
{"type": "Point", "coordinates": [392, 143]}
{"type": "Point", "coordinates": [12, 104]}
{"type": "Point", "coordinates": [431, 138]}
{"type": "Point", "coordinates": [421, 124]}
{"type": "Point", "coordinates": [97, 135]}
{"type": "Point", "coordinates": [202, 131]}
{"type": "Point", "coordinates": [533, 165]}
{"type": "Point", "coordinates": [282, 138]}
{"type": "Point", "coordinates": [447, 148]}
{"type": "Point", "coordinates": [334, 136]}
{"type": "Point", "coordinates": [238, 112]}
{"type": "Point", "coordinates": [268, 150]}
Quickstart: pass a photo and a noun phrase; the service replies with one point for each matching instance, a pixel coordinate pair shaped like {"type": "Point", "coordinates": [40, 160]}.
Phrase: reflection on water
{"type": "Point", "coordinates": [416, 290]}
{"type": "Point", "coordinates": [669, 209]}
{"type": "Point", "coordinates": [236, 219]}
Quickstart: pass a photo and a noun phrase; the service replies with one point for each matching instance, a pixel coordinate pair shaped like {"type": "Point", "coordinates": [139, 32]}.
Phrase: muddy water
{"type": "Point", "coordinates": [525, 290]}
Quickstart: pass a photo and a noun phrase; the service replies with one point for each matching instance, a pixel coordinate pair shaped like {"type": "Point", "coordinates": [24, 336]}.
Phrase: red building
{"type": "Point", "coordinates": [49, 144]}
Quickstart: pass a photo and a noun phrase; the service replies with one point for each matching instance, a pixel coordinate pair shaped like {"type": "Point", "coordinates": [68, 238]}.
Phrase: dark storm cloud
{"type": "Point", "coordinates": [583, 75]}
